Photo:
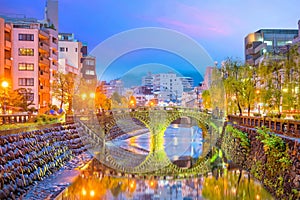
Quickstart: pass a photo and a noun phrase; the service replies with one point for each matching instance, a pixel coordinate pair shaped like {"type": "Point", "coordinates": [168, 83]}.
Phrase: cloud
{"type": "Point", "coordinates": [197, 21]}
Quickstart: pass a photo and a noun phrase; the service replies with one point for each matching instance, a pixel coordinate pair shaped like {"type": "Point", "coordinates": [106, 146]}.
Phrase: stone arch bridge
{"type": "Point", "coordinates": [98, 127]}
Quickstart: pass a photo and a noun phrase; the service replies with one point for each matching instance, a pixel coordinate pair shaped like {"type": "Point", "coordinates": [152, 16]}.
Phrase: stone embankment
{"type": "Point", "coordinates": [273, 160]}
{"type": "Point", "coordinates": [28, 157]}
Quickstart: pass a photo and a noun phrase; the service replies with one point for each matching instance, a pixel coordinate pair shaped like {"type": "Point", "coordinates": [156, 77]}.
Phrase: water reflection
{"type": "Point", "coordinates": [98, 184]}
{"type": "Point", "coordinates": [179, 141]}
{"type": "Point", "coordinates": [182, 141]}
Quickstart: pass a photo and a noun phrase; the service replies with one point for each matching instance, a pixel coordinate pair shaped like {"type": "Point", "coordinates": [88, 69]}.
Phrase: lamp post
{"type": "Point", "coordinates": [4, 85]}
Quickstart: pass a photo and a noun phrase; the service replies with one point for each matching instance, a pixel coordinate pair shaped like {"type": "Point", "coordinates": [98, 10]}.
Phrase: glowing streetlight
{"type": "Point", "coordinates": [83, 192]}
{"type": "Point", "coordinates": [92, 95]}
{"type": "Point", "coordinates": [4, 84]}
{"type": "Point", "coordinates": [92, 193]}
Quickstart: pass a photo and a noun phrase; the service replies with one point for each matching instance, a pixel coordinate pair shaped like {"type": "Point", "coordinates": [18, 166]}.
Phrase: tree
{"type": "Point", "coordinates": [206, 99]}
{"type": "Point", "coordinates": [63, 89]}
{"type": "Point", "coordinates": [232, 84]}
{"type": "Point", "coordinates": [24, 98]}
{"type": "Point", "coordinates": [132, 102]}
{"type": "Point", "coordinates": [84, 96]}
{"type": "Point", "coordinates": [101, 101]}
{"type": "Point", "coordinates": [118, 101]}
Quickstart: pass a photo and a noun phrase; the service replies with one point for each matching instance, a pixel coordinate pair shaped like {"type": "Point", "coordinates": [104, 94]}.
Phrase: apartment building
{"type": "Point", "coordinates": [168, 86]}
{"type": "Point", "coordinates": [70, 55]}
{"type": "Point", "coordinates": [34, 58]}
{"type": "Point", "coordinates": [88, 70]}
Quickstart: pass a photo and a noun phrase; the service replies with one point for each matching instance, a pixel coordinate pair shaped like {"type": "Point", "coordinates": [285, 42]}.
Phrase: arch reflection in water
{"type": "Point", "coordinates": [101, 184]}
{"type": "Point", "coordinates": [183, 142]}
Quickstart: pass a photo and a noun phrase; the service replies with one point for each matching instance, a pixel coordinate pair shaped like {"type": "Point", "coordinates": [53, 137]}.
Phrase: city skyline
{"type": "Point", "coordinates": [219, 27]}
{"type": "Point", "coordinates": [203, 21]}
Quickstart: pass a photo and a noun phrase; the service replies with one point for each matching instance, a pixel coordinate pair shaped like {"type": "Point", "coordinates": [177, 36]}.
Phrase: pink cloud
{"type": "Point", "coordinates": [198, 22]}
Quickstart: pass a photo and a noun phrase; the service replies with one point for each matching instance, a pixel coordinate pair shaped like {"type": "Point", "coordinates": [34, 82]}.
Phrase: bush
{"type": "Point", "coordinates": [256, 114]}
{"type": "Point", "coordinates": [296, 117]}
{"type": "Point", "coordinates": [45, 119]}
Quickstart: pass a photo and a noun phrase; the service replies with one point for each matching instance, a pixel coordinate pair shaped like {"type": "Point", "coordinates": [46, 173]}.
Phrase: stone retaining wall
{"type": "Point", "coordinates": [278, 173]}
{"type": "Point", "coordinates": [28, 157]}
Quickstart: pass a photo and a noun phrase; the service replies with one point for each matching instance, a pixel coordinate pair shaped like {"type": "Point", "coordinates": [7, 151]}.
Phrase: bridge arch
{"type": "Point", "coordinates": [157, 161]}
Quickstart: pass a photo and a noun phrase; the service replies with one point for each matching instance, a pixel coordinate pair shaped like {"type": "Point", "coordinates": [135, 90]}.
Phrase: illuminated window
{"type": "Point", "coordinates": [26, 37]}
{"type": "Point", "coordinates": [89, 62]}
{"type": "Point", "coordinates": [269, 43]}
{"type": "Point", "coordinates": [90, 72]}
{"type": "Point", "coordinates": [26, 66]}
{"type": "Point", "coordinates": [26, 82]}
{"type": "Point", "coordinates": [26, 52]}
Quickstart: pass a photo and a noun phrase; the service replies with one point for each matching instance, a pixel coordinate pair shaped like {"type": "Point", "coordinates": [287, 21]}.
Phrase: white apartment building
{"type": "Point", "coordinates": [167, 86]}
{"type": "Point", "coordinates": [69, 53]}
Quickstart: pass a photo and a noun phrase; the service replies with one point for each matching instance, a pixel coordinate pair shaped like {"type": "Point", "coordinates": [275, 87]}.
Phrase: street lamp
{"type": "Point", "coordinates": [4, 85]}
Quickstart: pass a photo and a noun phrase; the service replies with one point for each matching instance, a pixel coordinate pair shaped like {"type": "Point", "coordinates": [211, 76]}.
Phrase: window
{"type": "Point", "coordinates": [26, 81]}
{"type": "Point", "coordinates": [75, 49]}
{"type": "Point", "coordinates": [89, 62]}
{"type": "Point", "coordinates": [66, 49]}
{"type": "Point", "coordinates": [90, 72]}
{"type": "Point", "coordinates": [29, 96]}
{"type": "Point", "coordinates": [62, 49]}
{"type": "Point", "coordinates": [26, 52]}
{"type": "Point", "coordinates": [26, 66]}
{"type": "Point", "coordinates": [26, 37]}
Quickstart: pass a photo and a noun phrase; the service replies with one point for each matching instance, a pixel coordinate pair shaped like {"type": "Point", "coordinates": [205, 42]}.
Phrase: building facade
{"type": "Point", "coordinates": [35, 56]}
{"type": "Point", "coordinates": [266, 42]}
{"type": "Point", "coordinates": [70, 55]}
{"type": "Point", "coordinates": [6, 59]}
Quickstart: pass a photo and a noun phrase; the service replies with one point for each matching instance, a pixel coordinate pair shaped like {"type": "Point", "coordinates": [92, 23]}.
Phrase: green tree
{"type": "Point", "coordinates": [63, 89]}
{"type": "Point", "coordinates": [23, 98]}
{"type": "Point", "coordinates": [206, 99]}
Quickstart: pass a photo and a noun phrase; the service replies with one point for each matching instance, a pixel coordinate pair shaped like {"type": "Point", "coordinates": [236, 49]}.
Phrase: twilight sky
{"type": "Point", "coordinates": [218, 25]}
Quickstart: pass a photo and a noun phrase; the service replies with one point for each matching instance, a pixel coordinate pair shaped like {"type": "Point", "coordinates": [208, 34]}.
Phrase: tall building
{"type": "Point", "coordinates": [70, 54]}
{"type": "Point", "coordinates": [147, 81]}
{"type": "Point", "coordinates": [168, 86]}
{"type": "Point", "coordinates": [113, 86]}
{"type": "Point", "coordinates": [187, 83]}
{"type": "Point", "coordinates": [267, 41]}
{"type": "Point", "coordinates": [88, 70]}
{"type": "Point", "coordinates": [51, 13]}
{"type": "Point", "coordinates": [34, 52]}
{"type": "Point", "coordinates": [6, 59]}
{"type": "Point", "coordinates": [297, 39]}
{"type": "Point", "coordinates": [207, 78]}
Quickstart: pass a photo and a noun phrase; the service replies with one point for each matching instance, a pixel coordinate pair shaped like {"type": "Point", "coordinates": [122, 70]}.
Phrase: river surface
{"type": "Point", "coordinates": [95, 182]}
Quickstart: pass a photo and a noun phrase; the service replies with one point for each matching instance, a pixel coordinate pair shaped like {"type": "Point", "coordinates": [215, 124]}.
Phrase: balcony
{"type": "Point", "coordinates": [249, 51]}
{"type": "Point", "coordinates": [43, 35]}
{"type": "Point", "coordinates": [54, 56]}
{"type": "Point", "coordinates": [8, 63]}
{"type": "Point", "coordinates": [43, 47]}
{"type": "Point", "coordinates": [260, 47]}
{"type": "Point", "coordinates": [7, 28]}
{"type": "Point", "coordinates": [43, 60]}
{"type": "Point", "coordinates": [44, 75]}
{"type": "Point", "coordinates": [7, 44]}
